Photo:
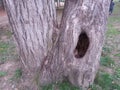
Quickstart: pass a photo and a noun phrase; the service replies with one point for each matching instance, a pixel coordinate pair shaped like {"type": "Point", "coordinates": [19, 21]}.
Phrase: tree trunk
{"type": "Point", "coordinates": [52, 52]}
{"type": "Point", "coordinates": [58, 3]}
{"type": "Point", "coordinates": [1, 5]}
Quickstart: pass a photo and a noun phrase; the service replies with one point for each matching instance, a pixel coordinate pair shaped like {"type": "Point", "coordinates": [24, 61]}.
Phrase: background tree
{"type": "Point", "coordinates": [50, 52]}
{"type": "Point", "coordinates": [1, 5]}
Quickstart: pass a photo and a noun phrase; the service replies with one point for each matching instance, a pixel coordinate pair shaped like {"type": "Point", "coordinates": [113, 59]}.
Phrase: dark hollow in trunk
{"type": "Point", "coordinates": [82, 45]}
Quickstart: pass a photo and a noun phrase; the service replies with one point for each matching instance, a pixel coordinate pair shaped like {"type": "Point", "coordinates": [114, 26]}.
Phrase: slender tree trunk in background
{"type": "Point", "coordinates": [50, 52]}
{"type": "Point", "coordinates": [1, 5]}
{"type": "Point", "coordinates": [58, 3]}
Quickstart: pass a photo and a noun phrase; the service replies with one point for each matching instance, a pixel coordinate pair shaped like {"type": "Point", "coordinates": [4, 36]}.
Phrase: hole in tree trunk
{"type": "Point", "coordinates": [82, 45]}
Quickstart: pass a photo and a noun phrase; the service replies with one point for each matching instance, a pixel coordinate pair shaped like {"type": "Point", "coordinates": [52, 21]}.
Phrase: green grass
{"type": "Point", "coordinates": [7, 47]}
{"type": "Point", "coordinates": [61, 86]}
{"type": "Point", "coordinates": [106, 49]}
{"type": "Point", "coordinates": [114, 19]}
{"type": "Point", "coordinates": [18, 74]}
{"type": "Point", "coordinates": [105, 81]}
{"type": "Point", "coordinates": [106, 61]}
{"type": "Point", "coordinates": [117, 73]}
{"type": "Point", "coordinates": [67, 86]}
{"type": "Point", "coordinates": [9, 34]}
{"type": "Point", "coordinates": [117, 9]}
{"type": "Point", "coordinates": [115, 0]}
{"type": "Point", "coordinates": [5, 31]}
{"type": "Point", "coordinates": [118, 55]}
{"type": "Point", "coordinates": [7, 51]}
{"type": "Point", "coordinates": [3, 47]}
{"type": "Point", "coordinates": [3, 51]}
{"type": "Point", "coordinates": [2, 73]}
{"type": "Point", "coordinates": [112, 31]}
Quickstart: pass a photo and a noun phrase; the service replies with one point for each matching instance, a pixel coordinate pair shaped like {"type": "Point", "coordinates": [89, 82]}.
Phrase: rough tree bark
{"type": "Point", "coordinates": [53, 52]}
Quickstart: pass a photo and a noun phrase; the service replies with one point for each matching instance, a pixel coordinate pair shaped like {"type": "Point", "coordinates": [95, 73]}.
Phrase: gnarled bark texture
{"type": "Point", "coordinates": [53, 52]}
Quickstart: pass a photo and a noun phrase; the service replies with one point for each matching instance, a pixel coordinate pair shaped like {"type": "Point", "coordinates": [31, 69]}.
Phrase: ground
{"type": "Point", "coordinates": [9, 63]}
{"type": "Point", "coordinates": [107, 78]}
